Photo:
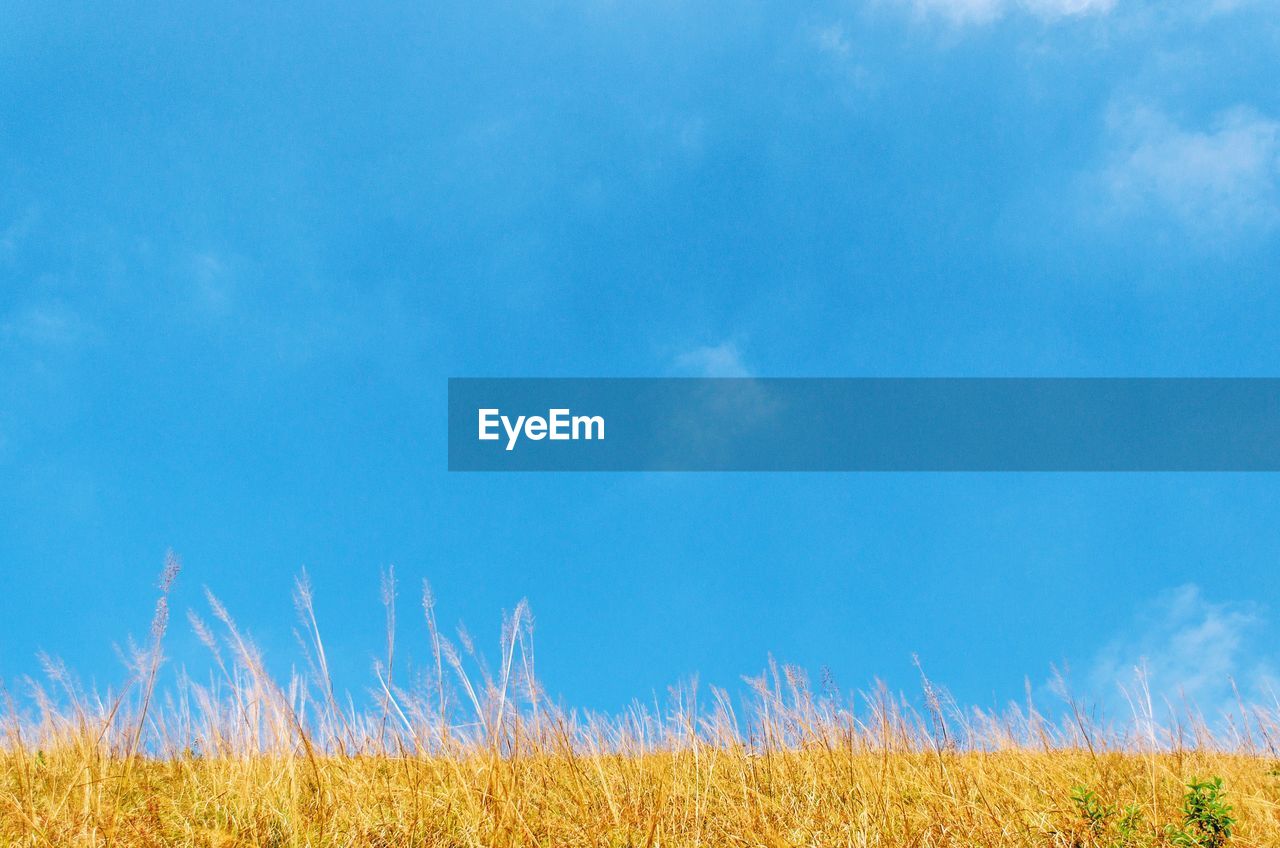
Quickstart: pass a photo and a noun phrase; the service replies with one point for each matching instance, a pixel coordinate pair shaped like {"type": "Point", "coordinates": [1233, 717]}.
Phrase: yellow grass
{"type": "Point", "coordinates": [710, 797]}
{"type": "Point", "coordinates": [469, 757]}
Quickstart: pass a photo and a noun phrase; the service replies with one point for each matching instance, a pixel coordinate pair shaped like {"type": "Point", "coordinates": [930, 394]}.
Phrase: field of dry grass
{"type": "Point", "coordinates": [475, 755]}
{"type": "Point", "coordinates": [698, 796]}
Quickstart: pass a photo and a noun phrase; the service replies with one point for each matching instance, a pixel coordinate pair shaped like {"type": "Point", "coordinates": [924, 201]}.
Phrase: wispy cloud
{"type": "Point", "coordinates": [16, 231]}
{"type": "Point", "coordinates": [835, 44]}
{"type": "Point", "coordinates": [988, 11]}
{"type": "Point", "coordinates": [47, 325]}
{"type": "Point", "coordinates": [213, 282]}
{"type": "Point", "coordinates": [1220, 180]}
{"type": "Point", "coordinates": [1067, 8]}
{"type": "Point", "coordinates": [1185, 648]}
{"type": "Point", "coordinates": [722, 360]}
{"type": "Point", "coordinates": [1221, 7]}
{"type": "Point", "coordinates": [833, 40]}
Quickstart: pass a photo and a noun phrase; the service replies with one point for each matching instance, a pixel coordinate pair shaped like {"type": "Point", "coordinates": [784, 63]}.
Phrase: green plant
{"type": "Point", "coordinates": [1091, 809]}
{"type": "Point", "coordinates": [1131, 828]}
{"type": "Point", "coordinates": [1206, 817]}
{"type": "Point", "coordinates": [1108, 824]}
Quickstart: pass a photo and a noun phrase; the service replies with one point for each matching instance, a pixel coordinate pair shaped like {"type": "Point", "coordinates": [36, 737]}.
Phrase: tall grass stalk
{"type": "Point", "coordinates": [455, 753]}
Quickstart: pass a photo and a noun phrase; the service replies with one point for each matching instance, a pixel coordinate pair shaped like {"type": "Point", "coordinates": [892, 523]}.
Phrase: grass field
{"type": "Point", "coordinates": [472, 755]}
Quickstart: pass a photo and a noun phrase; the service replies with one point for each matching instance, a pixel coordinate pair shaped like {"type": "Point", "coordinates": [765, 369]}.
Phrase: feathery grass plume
{"type": "Point", "coordinates": [456, 753]}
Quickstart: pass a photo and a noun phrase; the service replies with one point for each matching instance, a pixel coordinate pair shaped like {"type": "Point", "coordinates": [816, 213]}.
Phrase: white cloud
{"type": "Point", "coordinates": [1222, 7]}
{"type": "Point", "coordinates": [214, 286]}
{"type": "Point", "coordinates": [839, 57]}
{"type": "Point", "coordinates": [1220, 180]}
{"type": "Point", "coordinates": [962, 11]}
{"type": "Point", "coordinates": [14, 233]}
{"type": "Point", "coordinates": [1068, 8]}
{"type": "Point", "coordinates": [1186, 647]}
{"type": "Point", "coordinates": [44, 325]}
{"type": "Point", "coordinates": [987, 11]}
{"type": "Point", "coordinates": [722, 360]}
{"type": "Point", "coordinates": [833, 41]}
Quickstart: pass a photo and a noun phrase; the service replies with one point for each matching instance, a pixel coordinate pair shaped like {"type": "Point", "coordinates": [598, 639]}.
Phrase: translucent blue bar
{"type": "Point", "coordinates": [886, 424]}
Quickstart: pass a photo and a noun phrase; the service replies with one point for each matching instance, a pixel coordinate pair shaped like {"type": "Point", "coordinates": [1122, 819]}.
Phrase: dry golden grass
{"type": "Point", "coordinates": [466, 757]}
{"type": "Point", "coordinates": [706, 797]}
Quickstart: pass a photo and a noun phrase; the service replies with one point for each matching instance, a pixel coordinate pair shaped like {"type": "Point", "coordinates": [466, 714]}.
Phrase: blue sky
{"type": "Point", "coordinates": [243, 247]}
